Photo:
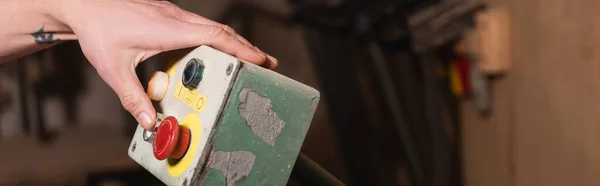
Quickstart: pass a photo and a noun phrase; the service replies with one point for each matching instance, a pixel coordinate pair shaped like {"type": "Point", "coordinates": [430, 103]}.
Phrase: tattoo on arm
{"type": "Point", "coordinates": [43, 37]}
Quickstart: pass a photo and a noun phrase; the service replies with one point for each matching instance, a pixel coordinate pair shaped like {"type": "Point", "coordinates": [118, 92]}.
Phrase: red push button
{"type": "Point", "coordinates": [171, 140]}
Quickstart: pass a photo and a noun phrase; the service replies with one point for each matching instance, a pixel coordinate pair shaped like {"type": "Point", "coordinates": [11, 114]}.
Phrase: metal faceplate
{"type": "Point", "coordinates": [196, 109]}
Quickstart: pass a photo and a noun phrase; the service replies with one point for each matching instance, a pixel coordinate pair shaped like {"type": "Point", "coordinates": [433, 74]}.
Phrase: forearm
{"type": "Point", "coordinates": [30, 25]}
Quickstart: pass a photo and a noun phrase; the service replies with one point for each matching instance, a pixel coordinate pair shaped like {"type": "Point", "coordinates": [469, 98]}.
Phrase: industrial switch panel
{"type": "Point", "coordinates": [224, 121]}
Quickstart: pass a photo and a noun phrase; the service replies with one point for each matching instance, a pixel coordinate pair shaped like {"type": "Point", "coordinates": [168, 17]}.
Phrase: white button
{"type": "Point", "coordinates": [158, 85]}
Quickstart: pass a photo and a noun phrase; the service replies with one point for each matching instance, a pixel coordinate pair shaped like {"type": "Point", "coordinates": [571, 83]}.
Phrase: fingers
{"type": "Point", "coordinates": [123, 80]}
{"type": "Point", "coordinates": [193, 18]}
{"type": "Point", "coordinates": [189, 35]}
{"type": "Point", "coordinates": [271, 62]}
{"type": "Point", "coordinates": [196, 19]}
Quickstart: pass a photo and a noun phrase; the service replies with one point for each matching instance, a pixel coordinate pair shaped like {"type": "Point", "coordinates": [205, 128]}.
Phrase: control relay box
{"type": "Point", "coordinates": [223, 121]}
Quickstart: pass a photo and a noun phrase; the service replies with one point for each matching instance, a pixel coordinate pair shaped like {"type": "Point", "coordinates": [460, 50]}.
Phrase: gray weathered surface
{"type": "Point", "coordinates": [233, 165]}
{"type": "Point", "coordinates": [259, 115]}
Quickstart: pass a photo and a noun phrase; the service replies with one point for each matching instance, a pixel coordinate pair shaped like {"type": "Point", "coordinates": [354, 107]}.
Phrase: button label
{"type": "Point", "coordinates": [190, 97]}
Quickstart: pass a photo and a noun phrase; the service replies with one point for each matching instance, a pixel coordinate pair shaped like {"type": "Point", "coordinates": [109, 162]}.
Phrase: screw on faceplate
{"type": "Point", "coordinates": [229, 69]}
{"type": "Point", "coordinates": [133, 146]}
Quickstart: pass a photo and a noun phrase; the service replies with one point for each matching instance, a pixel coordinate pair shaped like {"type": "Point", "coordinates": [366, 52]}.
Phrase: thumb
{"type": "Point", "coordinates": [124, 81]}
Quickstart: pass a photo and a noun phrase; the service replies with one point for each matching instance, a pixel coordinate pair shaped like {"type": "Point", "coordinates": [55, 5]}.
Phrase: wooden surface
{"type": "Point", "coordinates": [545, 129]}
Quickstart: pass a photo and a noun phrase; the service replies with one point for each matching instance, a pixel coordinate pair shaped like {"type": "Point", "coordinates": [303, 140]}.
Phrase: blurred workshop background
{"type": "Point", "coordinates": [415, 93]}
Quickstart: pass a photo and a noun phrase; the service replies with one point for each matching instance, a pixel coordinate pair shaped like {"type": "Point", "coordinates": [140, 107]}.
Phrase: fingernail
{"type": "Point", "coordinates": [273, 61]}
{"type": "Point", "coordinates": [144, 119]}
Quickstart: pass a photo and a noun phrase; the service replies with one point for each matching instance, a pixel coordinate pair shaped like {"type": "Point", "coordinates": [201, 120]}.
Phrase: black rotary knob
{"type": "Point", "coordinates": [192, 73]}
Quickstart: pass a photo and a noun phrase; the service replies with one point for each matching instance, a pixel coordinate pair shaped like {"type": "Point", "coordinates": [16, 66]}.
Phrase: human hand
{"type": "Point", "coordinates": [116, 35]}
